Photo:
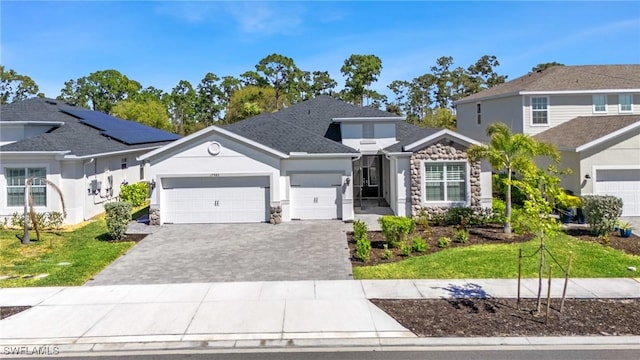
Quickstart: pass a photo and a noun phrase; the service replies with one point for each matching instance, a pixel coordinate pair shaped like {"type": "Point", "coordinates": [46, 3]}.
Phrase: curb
{"type": "Point", "coordinates": [305, 345]}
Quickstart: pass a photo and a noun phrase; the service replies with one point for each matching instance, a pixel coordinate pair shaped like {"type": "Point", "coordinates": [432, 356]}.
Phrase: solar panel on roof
{"type": "Point", "coordinates": [128, 132]}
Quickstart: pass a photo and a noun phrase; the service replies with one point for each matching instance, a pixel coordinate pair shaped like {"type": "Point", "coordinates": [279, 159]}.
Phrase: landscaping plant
{"type": "Point", "coordinates": [419, 244]}
{"type": "Point", "coordinates": [363, 244]}
{"type": "Point", "coordinates": [386, 253]}
{"type": "Point", "coordinates": [461, 235]}
{"type": "Point", "coordinates": [118, 218]}
{"type": "Point", "coordinates": [136, 193]}
{"type": "Point", "coordinates": [396, 229]}
{"type": "Point", "coordinates": [444, 242]}
{"type": "Point", "coordinates": [602, 213]}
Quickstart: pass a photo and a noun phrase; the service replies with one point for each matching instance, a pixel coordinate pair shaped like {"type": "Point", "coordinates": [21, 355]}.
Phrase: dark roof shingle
{"type": "Point", "coordinates": [73, 136]}
{"type": "Point", "coordinates": [567, 78]}
{"type": "Point", "coordinates": [585, 129]}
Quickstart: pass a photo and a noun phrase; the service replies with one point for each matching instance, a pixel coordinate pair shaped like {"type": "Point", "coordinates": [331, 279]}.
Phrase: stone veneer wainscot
{"type": "Point", "coordinates": [444, 152]}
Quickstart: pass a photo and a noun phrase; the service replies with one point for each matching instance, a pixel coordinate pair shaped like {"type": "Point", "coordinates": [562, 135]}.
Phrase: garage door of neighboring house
{"type": "Point", "coordinates": [200, 200]}
{"type": "Point", "coordinates": [316, 196]}
{"type": "Point", "coordinates": [623, 183]}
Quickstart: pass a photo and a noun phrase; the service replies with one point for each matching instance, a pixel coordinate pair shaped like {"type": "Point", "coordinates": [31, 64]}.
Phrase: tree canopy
{"type": "Point", "coordinates": [15, 87]}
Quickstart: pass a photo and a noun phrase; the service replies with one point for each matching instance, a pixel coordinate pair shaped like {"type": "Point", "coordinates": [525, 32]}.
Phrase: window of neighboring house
{"type": "Point", "coordinates": [626, 102]}
{"type": "Point", "coordinates": [16, 178]}
{"type": "Point", "coordinates": [367, 131]}
{"type": "Point", "coordinates": [479, 113]}
{"type": "Point", "coordinates": [599, 103]}
{"type": "Point", "coordinates": [539, 110]}
{"type": "Point", "coordinates": [123, 163]}
{"type": "Point", "coordinates": [445, 182]}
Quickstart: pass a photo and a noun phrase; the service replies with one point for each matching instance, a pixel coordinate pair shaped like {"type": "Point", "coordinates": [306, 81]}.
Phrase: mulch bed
{"type": "Point", "coordinates": [500, 317]}
{"type": "Point", "coordinates": [6, 311]}
{"type": "Point", "coordinates": [491, 234]}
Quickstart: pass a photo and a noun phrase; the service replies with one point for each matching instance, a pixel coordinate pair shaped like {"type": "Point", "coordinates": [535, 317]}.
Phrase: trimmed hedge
{"type": "Point", "coordinates": [396, 229]}
{"type": "Point", "coordinates": [363, 244]}
{"type": "Point", "coordinates": [118, 218]}
{"type": "Point", "coordinates": [135, 194]}
{"type": "Point", "coordinates": [602, 213]}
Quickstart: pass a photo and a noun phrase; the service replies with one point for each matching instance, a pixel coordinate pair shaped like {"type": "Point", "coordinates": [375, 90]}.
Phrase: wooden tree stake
{"type": "Point", "coordinates": [549, 293]}
{"type": "Point", "coordinates": [519, 275]}
{"type": "Point", "coordinates": [566, 280]}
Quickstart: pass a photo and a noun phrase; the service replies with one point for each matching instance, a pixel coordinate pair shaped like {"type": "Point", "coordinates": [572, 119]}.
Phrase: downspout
{"type": "Point", "coordinates": [84, 195]}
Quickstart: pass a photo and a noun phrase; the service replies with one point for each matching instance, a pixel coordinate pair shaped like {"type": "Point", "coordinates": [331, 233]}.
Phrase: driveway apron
{"type": "Point", "coordinates": [299, 250]}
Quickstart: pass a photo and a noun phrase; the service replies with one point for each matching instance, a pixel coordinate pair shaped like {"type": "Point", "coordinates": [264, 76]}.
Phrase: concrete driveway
{"type": "Point", "coordinates": [299, 250]}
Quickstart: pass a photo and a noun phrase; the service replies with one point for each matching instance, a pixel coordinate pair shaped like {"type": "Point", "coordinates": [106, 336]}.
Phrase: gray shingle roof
{"type": "Point", "coordinates": [585, 129]}
{"type": "Point", "coordinates": [567, 78]}
{"type": "Point", "coordinates": [77, 138]}
{"type": "Point", "coordinates": [308, 127]}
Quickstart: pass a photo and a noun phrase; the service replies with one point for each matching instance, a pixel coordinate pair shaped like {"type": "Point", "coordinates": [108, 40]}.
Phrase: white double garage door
{"type": "Point", "coordinates": [622, 183]}
{"type": "Point", "coordinates": [243, 199]}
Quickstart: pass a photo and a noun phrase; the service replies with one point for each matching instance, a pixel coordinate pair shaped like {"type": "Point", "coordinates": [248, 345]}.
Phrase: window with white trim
{"type": "Point", "coordinates": [599, 103]}
{"type": "Point", "coordinates": [539, 110]}
{"type": "Point", "coordinates": [445, 181]}
{"type": "Point", "coordinates": [16, 178]}
{"type": "Point", "coordinates": [123, 163]}
{"type": "Point", "coordinates": [626, 102]}
{"type": "Point", "coordinates": [368, 131]}
{"type": "Point", "coordinates": [479, 113]}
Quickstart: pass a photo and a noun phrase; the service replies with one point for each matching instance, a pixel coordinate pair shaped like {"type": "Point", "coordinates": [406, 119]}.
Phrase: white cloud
{"type": "Point", "coordinates": [261, 18]}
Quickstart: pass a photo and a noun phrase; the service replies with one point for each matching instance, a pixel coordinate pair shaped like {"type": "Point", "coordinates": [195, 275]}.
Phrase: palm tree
{"type": "Point", "coordinates": [30, 212]}
{"type": "Point", "coordinates": [509, 153]}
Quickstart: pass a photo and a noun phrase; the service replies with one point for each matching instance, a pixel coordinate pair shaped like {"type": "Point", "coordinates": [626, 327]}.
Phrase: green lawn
{"type": "Point", "coordinates": [501, 261]}
{"type": "Point", "coordinates": [82, 248]}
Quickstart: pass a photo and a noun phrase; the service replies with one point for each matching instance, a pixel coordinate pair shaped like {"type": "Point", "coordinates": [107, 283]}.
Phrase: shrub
{"type": "Point", "coordinates": [439, 219]}
{"type": "Point", "coordinates": [443, 242]}
{"type": "Point", "coordinates": [498, 211]}
{"type": "Point", "coordinates": [422, 220]}
{"type": "Point", "coordinates": [386, 253]}
{"type": "Point", "coordinates": [462, 216]}
{"type": "Point", "coordinates": [363, 245]}
{"type": "Point", "coordinates": [136, 193]}
{"type": "Point", "coordinates": [48, 220]}
{"type": "Point", "coordinates": [405, 249]}
{"type": "Point", "coordinates": [118, 217]}
{"type": "Point", "coordinates": [602, 213]}
{"type": "Point", "coordinates": [396, 229]}
{"type": "Point", "coordinates": [520, 223]}
{"type": "Point", "coordinates": [461, 235]}
{"type": "Point", "coordinates": [419, 244]}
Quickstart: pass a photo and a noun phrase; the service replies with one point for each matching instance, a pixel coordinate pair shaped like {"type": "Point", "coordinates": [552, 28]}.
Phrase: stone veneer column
{"type": "Point", "coordinates": [276, 215]}
{"type": "Point", "coordinates": [442, 151]}
{"type": "Point", "coordinates": [154, 216]}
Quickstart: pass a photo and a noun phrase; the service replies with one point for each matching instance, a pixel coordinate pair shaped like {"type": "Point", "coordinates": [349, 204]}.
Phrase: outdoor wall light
{"type": "Point", "coordinates": [587, 176]}
{"type": "Point", "coordinates": [347, 181]}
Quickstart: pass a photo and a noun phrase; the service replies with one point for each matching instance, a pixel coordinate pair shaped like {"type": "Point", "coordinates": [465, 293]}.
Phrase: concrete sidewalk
{"type": "Point", "coordinates": [255, 314]}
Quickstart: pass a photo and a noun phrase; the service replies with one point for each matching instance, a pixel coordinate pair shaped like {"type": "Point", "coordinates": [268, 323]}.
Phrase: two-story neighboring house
{"type": "Point", "coordinates": [591, 113]}
{"type": "Point", "coordinates": [86, 154]}
{"type": "Point", "coordinates": [319, 159]}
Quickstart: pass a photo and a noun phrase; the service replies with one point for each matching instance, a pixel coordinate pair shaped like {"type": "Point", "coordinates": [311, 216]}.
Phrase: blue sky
{"type": "Point", "coordinates": [161, 43]}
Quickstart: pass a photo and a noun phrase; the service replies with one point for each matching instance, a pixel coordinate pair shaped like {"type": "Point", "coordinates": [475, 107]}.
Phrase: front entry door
{"type": "Point", "coordinates": [370, 176]}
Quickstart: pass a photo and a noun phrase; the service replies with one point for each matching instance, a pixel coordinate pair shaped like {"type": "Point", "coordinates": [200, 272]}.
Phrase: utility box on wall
{"type": "Point", "coordinates": [94, 187]}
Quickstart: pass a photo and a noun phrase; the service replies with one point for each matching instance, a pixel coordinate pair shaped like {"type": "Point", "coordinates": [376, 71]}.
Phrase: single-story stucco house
{"type": "Point", "coordinates": [87, 154]}
{"type": "Point", "coordinates": [318, 159]}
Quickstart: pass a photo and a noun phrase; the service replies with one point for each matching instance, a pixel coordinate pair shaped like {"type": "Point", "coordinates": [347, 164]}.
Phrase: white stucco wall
{"type": "Point", "coordinates": [14, 132]}
{"type": "Point", "coordinates": [384, 135]}
{"type": "Point", "coordinates": [400, 182]}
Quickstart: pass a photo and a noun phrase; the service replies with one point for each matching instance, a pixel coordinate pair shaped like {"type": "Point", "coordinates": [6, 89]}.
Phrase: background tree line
{"type": "Point", "coordinates": [274, 83]}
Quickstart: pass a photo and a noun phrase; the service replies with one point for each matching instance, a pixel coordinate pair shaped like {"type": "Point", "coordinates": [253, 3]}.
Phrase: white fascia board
{"type": "Point", "coordinates": [297, 155]}
{"type": "Point", "coordinates": [440, 133]}
{"type": "Point", "coordinates": [481, 99]}
{"type": "Point", "coordinates": [41, 123]}
{"type": "Point", "coordinates": [112, 153]}
{"type": "Point", "coordinates": [206, 131]}
{"type": "Point", "coordinates": [370, 119]}
{"type": "Point", "coordinates": [608, 137]}
{"type": "Point", "coordinates": [398, 153]}
{"type": "Point", "coordinates": [34, 153]}
{"type": "Point", "coordinates": [570, 92]}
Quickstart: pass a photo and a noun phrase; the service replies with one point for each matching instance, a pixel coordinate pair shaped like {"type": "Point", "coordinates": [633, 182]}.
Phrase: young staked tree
{"type": "Point", "coordinates": [29, 212]}
{"type": "Point", "coordinates": [510, 153]}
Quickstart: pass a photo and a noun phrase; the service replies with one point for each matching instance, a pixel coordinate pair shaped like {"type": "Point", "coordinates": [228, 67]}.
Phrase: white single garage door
{"type": "Point", "coordinates": [316, 196]}
{"type": "Point", "coordinates": [622, 183]}
{"type": "Point", "coordinates": [201, 200]}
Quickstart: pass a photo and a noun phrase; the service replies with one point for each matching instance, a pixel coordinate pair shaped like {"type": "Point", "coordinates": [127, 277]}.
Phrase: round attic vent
{"type": "Point", "coordinates": [214, 148]}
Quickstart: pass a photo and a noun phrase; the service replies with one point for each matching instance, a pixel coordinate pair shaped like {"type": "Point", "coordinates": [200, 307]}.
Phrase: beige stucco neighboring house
{"type": "Point", "coordinates": [591, 113]}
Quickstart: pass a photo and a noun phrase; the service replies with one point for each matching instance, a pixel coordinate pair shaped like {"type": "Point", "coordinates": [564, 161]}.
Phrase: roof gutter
{"type": "Point", "coordinates": [40, 153]}
{"type": "Point", "coordinates": [370, 119]}
{"type": "Point", "coordinates": [569, 92]}
{"type": "Point", "coordinates": [304, 155]}
{"type": "Point", "coordinates": [84, 157]}
{"type": "Point", "coordinates": [41, 123]}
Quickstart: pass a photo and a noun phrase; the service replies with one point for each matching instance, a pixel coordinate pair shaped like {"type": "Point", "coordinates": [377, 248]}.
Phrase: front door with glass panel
{"type": "Point", "coordinates": [370, 176]}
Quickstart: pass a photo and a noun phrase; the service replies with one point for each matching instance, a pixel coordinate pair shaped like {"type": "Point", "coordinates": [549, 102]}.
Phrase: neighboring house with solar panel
{"type": "Point", "coordinates": [318, 159]}
{"type": "Point", "coordinates": [591, 113]}
{"type": "Point", "coordinates": [87, 154]}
